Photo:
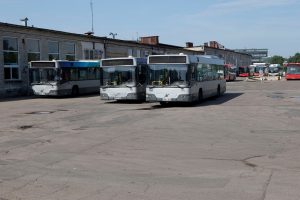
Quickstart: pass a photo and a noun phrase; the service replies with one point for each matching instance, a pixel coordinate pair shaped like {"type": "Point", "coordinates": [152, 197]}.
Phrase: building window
{"type": "Point", "coordinates": [92, 54]}
{"type": "Point", "coordinates": [70, 51]}
{"type": "Point", "coordinates": [89, 54]}
{"type": "Point", "coordinates": [146, 53]}
{"type": "Point", "coordinates": [33, 49]}
{"type": "Point", "coordinates": [138, 53]}
{"type": "Point", "coordinates": [11, 58]}
{"type": "Point", "coordinates": [130, 52]}
{"type": "Point", "coordinates": [53, 50]}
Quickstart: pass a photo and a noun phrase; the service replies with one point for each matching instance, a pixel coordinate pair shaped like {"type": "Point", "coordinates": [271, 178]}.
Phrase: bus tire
{"type": "Point", "coordinates": [75, 91]}
{"type": "Point", "coordinates": [200, 95]}
{"type": "Point", "coordinates": [218, 91]}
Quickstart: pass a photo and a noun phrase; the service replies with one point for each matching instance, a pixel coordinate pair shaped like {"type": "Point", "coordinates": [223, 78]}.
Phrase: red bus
{"type": "Point", "coordinates": [292, 71]}
{"type": "Point", "coordinates": [243, 71]}
{"type": "Point", "coordinates": [230, 74]}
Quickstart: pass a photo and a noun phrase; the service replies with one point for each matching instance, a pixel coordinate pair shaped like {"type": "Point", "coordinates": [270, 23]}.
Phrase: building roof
{"type": "Point", "coordinates": [161, 45]}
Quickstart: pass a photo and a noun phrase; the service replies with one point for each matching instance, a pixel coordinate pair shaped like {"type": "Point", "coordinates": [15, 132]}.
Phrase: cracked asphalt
{"type": "Point", "coordinates": [243, 145]}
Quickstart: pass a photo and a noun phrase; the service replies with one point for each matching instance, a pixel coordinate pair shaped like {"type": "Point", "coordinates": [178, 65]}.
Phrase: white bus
{"type": "Point", "coordinates": [58, 78]}
{"type": "Point", "coordinates": [184, 78]}
{"type": "Point", "coordinates": [123, 78]}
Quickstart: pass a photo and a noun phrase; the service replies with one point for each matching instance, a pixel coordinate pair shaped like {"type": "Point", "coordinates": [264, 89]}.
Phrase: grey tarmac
{"type": "Point", "coordinates": [242, 146]}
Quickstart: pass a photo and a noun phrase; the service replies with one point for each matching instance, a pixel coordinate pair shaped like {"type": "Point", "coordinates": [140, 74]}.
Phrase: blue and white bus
{"type": "Point", "coordinates": [58, 78]}
{"type": "Point", "coordinates": [184, 78]}
{"type": "Point", "coordinates": [123, 78]}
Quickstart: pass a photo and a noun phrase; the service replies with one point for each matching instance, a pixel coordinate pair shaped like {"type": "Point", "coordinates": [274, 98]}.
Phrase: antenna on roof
{"type": "Point", "coordinates": [92, 10]}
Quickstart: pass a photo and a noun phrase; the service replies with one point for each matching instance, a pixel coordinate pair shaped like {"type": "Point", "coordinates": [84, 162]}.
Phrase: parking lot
{"type": "Point", "coordinates": [243, 145]}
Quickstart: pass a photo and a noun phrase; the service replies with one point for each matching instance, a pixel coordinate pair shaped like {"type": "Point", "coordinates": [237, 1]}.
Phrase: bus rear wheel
{"type": "Point", "coordinates": [75, 91]}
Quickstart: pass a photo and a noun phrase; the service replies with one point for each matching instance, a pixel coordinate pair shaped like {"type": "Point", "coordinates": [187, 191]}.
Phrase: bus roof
{"type": "Point", "coordinates": [184, 59]}
{"type": "Point", "coordinates": [64, 63]}
{"type": "Point", "coordinates": [79, 63]}
{"type": "Point", "coordinates": [123, 61]}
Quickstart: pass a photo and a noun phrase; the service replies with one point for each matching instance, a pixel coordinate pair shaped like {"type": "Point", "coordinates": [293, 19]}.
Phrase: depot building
{"type": "Point", "coordinates": [21, 44]}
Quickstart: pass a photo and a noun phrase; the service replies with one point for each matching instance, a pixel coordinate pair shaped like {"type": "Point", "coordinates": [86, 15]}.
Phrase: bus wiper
{"type": "Point", "coordinates": [180, 84]}
{"type": "Point", "coordinates": [129, 85]}
{"type": "Point", "coordinates": [105, 86]}
{"type": "Point", "coordinates": [47, 83]}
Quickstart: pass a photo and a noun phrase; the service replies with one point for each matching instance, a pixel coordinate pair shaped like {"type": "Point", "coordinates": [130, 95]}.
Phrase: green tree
{"type": "Point", "coordinates": [277, 60]}
{"type": "Point", "coordinates": [295, 58]}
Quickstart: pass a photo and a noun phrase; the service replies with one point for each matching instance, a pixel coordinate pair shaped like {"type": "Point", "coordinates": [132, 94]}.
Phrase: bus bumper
{"type": "Point", "coordinates": [180, 98]}
{"type": "Point", "coordinates": [129, 96]}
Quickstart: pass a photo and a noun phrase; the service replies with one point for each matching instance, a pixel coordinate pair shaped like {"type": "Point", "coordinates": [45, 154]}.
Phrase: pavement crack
{"type": "Point", "coordinates": [266, 185]}
{"type": "Point", "coordinates": [96, 194]}
{"type": "Point", "coordinates": [32, 182]}
{"type": "Point", "coordinates": [244, 161]}
{"type": "Point", "coordinates": [248, 163]}
{"type": "Point", "coordinates": [147, 187]}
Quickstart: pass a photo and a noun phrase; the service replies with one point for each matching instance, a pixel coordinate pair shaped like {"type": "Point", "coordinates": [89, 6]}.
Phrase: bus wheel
{"type": "Point", "coordinates": [200, 96]}
{"type": "Point", "coordinates": [75, 91]}
{"type": "Point", "coordinates": [219, 91]}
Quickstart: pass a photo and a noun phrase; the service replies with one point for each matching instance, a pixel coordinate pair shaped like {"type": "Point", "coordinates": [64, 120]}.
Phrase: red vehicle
{"type": "Point", "coordinates": [230, 74]}
{"type": "Point", "coordinates": [292, 71]}
{"type": "Point", "coordinates": [243, 71]}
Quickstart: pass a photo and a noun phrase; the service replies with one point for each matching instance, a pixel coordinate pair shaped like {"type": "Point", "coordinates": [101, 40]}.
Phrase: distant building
{"type": "Point", "coordinates": [258, 55]}
{"type": "Point", "coordinates": [230, 56]}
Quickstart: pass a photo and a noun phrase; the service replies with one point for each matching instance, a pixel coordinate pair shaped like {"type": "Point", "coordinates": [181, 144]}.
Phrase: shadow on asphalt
{"type": "Point", "coordinates": [208, 102]}
{"type": "Point", "coordinates": [17, 98]}
{"type": "Point", "coordinates": [220, 100]}
{"type": "Point", "coordinates": [126, 102]}
{"type": "Point", "coordinates": [236, 80]}
{"type": "Point", "coordinates": [48, 97]}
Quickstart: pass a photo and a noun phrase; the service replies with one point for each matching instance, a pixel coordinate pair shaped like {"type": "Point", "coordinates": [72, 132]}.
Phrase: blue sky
{"type": "Point", "coordinates": [272, 24]}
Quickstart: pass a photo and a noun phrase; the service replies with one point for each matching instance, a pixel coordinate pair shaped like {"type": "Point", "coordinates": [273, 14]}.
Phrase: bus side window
{"type": "Point", "coordinates": [200, 72]}
{"type": "Point", "coordinates": [74, 74]}
{"type": "Point", "coordinates": [83, 74]}
{"type": "Point", "coordinates": [193, 73]}
{"type": "Point", "coordinates": [65, 74]}
{"type": "Point", "coordinates": [92, 73]}
{"type": "Point", "coordinates": [221, 72]}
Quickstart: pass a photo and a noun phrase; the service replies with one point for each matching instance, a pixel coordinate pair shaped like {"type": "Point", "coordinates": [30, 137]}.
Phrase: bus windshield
{"type": "Point", "coordinates": [243, 70]}
{"type": "Point", "coordinates": [118, 75]}
{"type": "Point", "coordinates": [232, 69]}
{"type": "Point", "coordinates": [173, 75]}
{"type": "Point", "coordinates": [274, 69]}
{"type": "Point", "coordinates": [259, 67]}
{"type": "Point", "coordinates": [293, 69]}
{"type": "Point", "coordinates": [44, 75]}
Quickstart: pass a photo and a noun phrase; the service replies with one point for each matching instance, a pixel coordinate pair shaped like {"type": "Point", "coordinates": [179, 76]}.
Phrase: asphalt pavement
{"type": "Point", "coordinates": [242, 146]}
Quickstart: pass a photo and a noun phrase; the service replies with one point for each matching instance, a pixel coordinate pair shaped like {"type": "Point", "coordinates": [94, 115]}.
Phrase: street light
{"type": "Point", "coordinates": [24, 20]}
{"type": "Point", "coordinates": [113, 35]}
